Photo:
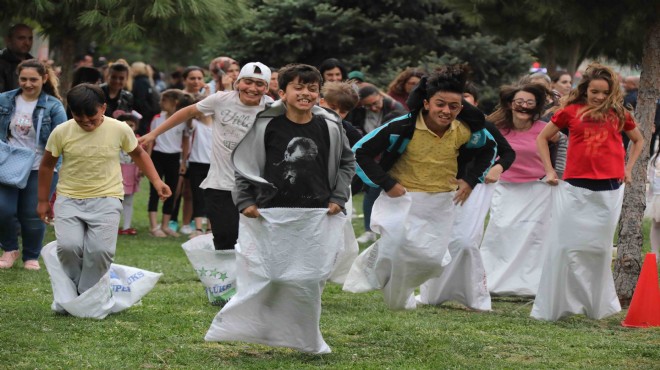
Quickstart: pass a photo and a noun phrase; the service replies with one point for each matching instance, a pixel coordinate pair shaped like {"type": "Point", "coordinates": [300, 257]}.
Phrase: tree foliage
{"type": "Point", "coordinates": [164, 22]}
{"type": "Point", "coordinates": [379, 38]}
{"type": "Point", "coordinates": [570, 30]}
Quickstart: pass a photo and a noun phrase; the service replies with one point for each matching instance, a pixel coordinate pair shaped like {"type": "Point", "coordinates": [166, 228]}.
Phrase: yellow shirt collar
{"type": "Point", "coordinates": [420, 124]}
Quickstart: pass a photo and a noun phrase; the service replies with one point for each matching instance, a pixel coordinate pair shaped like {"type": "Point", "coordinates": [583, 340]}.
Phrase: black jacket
{"type": "Point", "coordinates": [125, 101]}
{"type": "Point", "coordinates": [8, 63]}
{"type": "Point", "coordinates": [391, 140]}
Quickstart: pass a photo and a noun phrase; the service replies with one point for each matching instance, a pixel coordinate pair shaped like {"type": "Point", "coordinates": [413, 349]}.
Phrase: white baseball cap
{"type": "Point", "coordinates": [255, 70]}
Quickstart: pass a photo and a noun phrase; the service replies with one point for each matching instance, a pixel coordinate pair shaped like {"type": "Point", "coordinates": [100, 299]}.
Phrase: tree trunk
{"type": "Point", "coordinates": [66, 53]}
{"type": "Point", "coordinates": [629, 245]}
{"type": "Point", "coordinates": [574, 57]}
{"type": "Point", "coordinates": [551, 56]}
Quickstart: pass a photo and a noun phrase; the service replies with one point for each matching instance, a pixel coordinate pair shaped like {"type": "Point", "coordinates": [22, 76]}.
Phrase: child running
{"type": "Point", "coordinates": [130, 172]}
{"type": "Point", "coordinates": [577, 275]}
{"type": "Point", "coordinates": [89, 191]}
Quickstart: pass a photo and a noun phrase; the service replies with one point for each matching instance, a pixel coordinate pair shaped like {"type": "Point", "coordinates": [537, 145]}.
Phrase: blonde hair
{"type": "Point", "coordinates": [613, 102]}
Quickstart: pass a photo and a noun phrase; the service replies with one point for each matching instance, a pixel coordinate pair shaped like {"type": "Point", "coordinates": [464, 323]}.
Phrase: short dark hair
{"type": "Point", "coordinates": [118, 67]}
{"type": "Point", "coordinates": [189, 69]}
{"type": "Point", "coordinates": [306, 74]}
{"type": "Point", "coordinates": [333, 63]}
{"type": "Point", "coordinates": [12, 29]}
{"type": "Point", "coordinates": [471, 89]}
{"type": "Point", "coordinates": [449, 78]}
{"type": "Point", "coordinates": [368, 90]}
{"type": "Point", "coordinates": [85, 99]}
{"type": "Point", "coordinates": [86, 74]}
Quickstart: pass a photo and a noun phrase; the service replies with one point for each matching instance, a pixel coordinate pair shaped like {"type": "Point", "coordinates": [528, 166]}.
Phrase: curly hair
{"type": "Point", "coordinates": [397, 86]}
{"type": "Point", "coordinates": [613, 102]}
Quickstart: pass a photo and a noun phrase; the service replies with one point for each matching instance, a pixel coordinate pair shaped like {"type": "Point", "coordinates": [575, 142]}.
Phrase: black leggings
{"type": "Point", "coordinates": [223, 215]}
{"type": "Point", "coordinates": [197, 173]}
{"type": "Point", "coordinates": [167, 166]}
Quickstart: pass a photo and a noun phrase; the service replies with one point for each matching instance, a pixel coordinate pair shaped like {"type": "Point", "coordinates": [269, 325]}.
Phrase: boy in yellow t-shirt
{"type": "Point", "coordinates": [90, 190]}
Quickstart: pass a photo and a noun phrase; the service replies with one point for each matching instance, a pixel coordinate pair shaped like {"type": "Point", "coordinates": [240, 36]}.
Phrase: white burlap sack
{"type": "Point", "coordinates": [130, 284]}
{"type": "Point", "coordinates": [464, 278]}
{"type": "Point", "coordinates": [350, 249]}
{"type": "Point", "coordinates": [120, 288]}
{"type": "Point", "coordinates": [415, 230]}
{"type": "Point", "coordinates": [512, 249]}
{"type": "Point", "coordinates": [283, 259]}
{"type": "Point", "coordinates": [577, 274]}
{"type": "Point", "coordinates": [216, 269]}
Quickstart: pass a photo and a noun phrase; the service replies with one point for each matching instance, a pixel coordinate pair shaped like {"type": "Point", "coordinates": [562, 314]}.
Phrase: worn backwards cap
{"type": "Point", "coordinates": [255, 70]}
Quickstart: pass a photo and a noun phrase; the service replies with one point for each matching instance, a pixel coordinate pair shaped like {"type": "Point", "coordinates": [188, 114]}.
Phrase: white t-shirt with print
{"type": "Point", "coordinates": [231, 121]}
{"type": "Point", "coordinates": [22, 129]}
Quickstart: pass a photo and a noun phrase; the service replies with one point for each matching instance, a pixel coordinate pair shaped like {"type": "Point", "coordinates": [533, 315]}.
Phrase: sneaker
{"type": "Point", "coordinates": [31, 265]}
{"type": "Point", "coordinates": [368, 236]}
{"type": "Point", "coordinates": [173, 225]}
{"type": "Point", "coordinates": [186, 229]}
{"type": "Point", "coordinates": [8, 258]}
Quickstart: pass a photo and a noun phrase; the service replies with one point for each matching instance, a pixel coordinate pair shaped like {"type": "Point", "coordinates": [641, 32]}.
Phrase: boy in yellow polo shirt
{"type": "Point", "coordinates": [421, 175]}
{"type": "Point", "coordinates": [90, 190]}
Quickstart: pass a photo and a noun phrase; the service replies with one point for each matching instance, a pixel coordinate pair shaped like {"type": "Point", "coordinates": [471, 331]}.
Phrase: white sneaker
{"type": "Point", "coordinates": [186, 229]}
{"type": "Point", "coordinates": [368, 236]}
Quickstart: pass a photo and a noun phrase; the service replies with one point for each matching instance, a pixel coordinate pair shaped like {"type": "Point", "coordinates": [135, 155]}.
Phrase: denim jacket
{"type": "Point", "coordinates": [53, 114]}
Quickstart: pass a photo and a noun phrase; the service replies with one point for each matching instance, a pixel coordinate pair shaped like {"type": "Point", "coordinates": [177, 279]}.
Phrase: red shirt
{"type": "Point", "coordinates": [595, 148]}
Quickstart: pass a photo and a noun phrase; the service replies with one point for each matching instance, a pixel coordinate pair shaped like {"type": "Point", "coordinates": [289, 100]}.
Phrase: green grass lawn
{"type": "Point", "coordinates": [167, 330]}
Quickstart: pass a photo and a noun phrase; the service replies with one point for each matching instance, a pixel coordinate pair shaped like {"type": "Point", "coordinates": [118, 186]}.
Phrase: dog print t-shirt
{"type": "Point", "coordinates": [297, 163]}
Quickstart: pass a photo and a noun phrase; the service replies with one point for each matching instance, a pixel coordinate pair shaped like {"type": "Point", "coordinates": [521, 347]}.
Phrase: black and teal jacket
{"type": "Point", "coordinates": [389, 141]}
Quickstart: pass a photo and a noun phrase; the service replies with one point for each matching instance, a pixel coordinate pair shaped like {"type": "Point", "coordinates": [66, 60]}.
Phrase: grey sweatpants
{"type": "Point", "coordinates": [86, 232]}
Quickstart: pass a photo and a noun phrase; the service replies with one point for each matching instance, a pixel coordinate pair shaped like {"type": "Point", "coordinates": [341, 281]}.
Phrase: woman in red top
{"type": "Point", "coordinates": [577, 275]}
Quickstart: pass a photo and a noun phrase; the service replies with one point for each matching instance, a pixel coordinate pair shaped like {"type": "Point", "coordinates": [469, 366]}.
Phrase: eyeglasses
{"type": "Point", "coordinates": [522, 102]}
{"type": "Point", "coordinates": [374, 104]}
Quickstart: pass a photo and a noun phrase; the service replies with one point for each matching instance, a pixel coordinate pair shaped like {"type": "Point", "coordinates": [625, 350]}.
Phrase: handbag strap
{"type": "Point", "coordinates": [41, 116]}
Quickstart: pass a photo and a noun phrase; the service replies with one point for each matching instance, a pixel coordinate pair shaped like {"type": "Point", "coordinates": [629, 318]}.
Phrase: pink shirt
{"type": "Point", "coordinates": [528, 165]}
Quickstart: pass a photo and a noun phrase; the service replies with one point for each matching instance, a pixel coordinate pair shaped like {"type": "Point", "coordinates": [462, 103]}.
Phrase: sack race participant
{"type": "Point", "coordinates": [414, 234]}
{"type": "Point", "coordinates": [349, 249]}
{"type": "Point", "coordinates": [293, 175]}
{"type": "Point", "coordinates": [216, 269]}
{"type": "Point", "coordinates": [512, 248]}
{"type": "Point", "coordinates": [120, 288]}
{"type": "Point", "coordinates": [283, 259]}
{"type": "Point", "coordinates": [464, 278]}
{"type": "Point", "coordinates": [513, 244]}
{"type": "Point", "coordinates": [577, 275]}
{"type": "Point", "coordinates": [419, 164]}
{"type": "Point", "coordinates": [90, 189]}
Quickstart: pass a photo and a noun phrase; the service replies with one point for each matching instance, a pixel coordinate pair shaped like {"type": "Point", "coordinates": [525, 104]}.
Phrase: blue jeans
{"type": "Point", "coordinates": [18, 207]}
{"type": "Point", "coordinates": [370, 196]}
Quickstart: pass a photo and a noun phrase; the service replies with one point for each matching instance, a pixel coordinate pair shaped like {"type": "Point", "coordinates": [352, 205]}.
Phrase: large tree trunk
{"type": "Point", "coordinates": [629, 245]}
{"type": "Point", "coordinates": [66, 53]}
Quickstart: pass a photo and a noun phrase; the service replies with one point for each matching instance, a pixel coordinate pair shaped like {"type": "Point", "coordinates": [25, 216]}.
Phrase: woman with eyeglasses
{"type": "Point", "coordinates": [519, 216]}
